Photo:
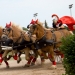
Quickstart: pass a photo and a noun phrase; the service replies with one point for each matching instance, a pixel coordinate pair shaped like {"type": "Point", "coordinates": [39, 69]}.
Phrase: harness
{"type": "Point", "coordinates": [23, 44]}
{"type": "Point", "coordinates": [44, 42]}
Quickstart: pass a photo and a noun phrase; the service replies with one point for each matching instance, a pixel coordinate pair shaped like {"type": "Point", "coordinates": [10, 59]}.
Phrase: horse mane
{"type": "Point", "coordinates": [20, 28]}
{"type": "Point", "coordinates": [41, 24]}
{"type": "Point", "coordinates": [40, 29]}
{"type": "Point", "coordinates": [16, 30]}
{"type": "Point", "coordinates": [19, 32]}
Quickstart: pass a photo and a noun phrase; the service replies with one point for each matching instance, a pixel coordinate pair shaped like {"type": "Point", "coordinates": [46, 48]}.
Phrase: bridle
{"type": "Point", "coordinates": [30, 34]}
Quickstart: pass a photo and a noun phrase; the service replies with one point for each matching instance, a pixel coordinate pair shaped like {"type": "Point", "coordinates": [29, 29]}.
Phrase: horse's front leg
{"type": "Point", "coordinates": [35, 56]}
{"type": "Point", "coordinates": [16, 55]}
{"type": "Point", "coordinates": [28, 57]}
{"type": "Point", "coordinates": [4, 57]}
{"type": "Point", "coordinates": [1, 60]}
{"type": "Point", "coordinates": [51, 57]}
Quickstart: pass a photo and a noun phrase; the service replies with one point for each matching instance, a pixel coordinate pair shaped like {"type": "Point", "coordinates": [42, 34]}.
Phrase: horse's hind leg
{"type": "Point", "coordinates": [27, 57]}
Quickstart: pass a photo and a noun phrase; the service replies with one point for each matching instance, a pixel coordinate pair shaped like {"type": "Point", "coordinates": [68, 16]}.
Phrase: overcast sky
{"type": "Point", "coordinates": [21, 11]}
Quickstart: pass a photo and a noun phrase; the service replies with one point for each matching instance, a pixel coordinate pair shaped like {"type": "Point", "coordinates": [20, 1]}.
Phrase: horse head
{"type": "Point", "coordinates": [13, 31]}
{"type": "Point", "coordinates": [36, 28]}
{"type": "Point", "coordinates": [16, 33]}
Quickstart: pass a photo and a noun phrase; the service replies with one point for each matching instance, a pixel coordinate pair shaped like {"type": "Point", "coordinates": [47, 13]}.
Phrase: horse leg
{"type": "Point", "coordinates": [62, 55]}
{"type": "Point", "coordinates": [18, 59]}
{"type": "Point", "coordinates": [38, 51]}
{"type": "Point", "coordinates": [27, 54]}
{"type": "Point", "coordinates": [9, 57]}
{"type": "Point", "coordinates": [33, 61]}
{"type": "Point", "coordinates": [34, 58]}
{"type": "Point", "coordinates": [16, 55]}
{"type": "Point", "coordinates": [5, 54]}
{"type": "Point", "coordinates": [4, 57]}
{"type": "Point", "coordinates": [28, 57]}
{"type": "Point", "coordinates": [58, 52]}
{"type": "Point", "coordinates": [29, 61]}
{"type": "Point", "coordinates": [43, 56]}
{"type": "Point", "coordinates": [1, 58]}
{"type": "Point", "coordinates": [51, 57]}
{"type": "Point", "coordinates": [7, 64]}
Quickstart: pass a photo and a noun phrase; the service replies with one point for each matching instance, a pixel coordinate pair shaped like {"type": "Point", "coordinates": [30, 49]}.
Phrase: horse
{"type": "Point", "coordinates": [46, 40]}
{"type": "Point", "coordinates": [20, 39]}
{"type": "Point", "coordinates": [2, 31]}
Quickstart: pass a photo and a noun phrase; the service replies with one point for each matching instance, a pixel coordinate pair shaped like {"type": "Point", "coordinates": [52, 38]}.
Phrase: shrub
{"type": "Point", "coordinates": [68, 48]}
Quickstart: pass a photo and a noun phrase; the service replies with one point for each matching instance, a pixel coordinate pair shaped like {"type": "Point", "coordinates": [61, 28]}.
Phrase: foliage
{"type": "Point", "coordinates": [66, 27]}
{"type": "Point", "coordinates": [24, 28]}
{"type": "Point", "coordinates": [68, 48]}
{"type": "Point", "coordinates": [69, 29]}
{"type": "Point", "coordinates": [74, 31]}
{"type": "Point", "coordinates": [46, 25]}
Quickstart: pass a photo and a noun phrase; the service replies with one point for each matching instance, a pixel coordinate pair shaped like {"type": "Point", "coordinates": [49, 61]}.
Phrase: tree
{"type": "Point", "coordinates": [69, 29]}
{"type": "Point", "coordinates": [68, 48]}
{"type": "Point", "coordinates": [66, 27]}
{"type": "Point", "coordinates": [46, 25]}
{"type": "Point", "coordinates": [24, 28]}
{"type": "Point", "coordinates": [74, 31]}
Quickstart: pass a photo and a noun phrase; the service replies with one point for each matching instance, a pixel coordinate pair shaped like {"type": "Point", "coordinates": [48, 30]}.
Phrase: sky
{"type": "Point", "coordinates": [21, 11]}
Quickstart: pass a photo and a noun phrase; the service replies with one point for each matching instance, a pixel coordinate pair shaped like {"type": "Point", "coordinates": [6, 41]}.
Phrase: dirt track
{"type": "Point", "coordinates": [18, 69]}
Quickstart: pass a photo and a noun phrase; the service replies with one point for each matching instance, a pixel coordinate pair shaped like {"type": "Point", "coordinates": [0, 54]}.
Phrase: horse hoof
{"type": "Point", "coordinates": [7, 67]}
{"type": "Point", "coordinates": [32, 63]}
{"type": "Point", "coordinates": [42, 62]}
{"type": "Point", "coordinates": [53, 67]}
{"type": "Point", "coordinates": [18, 61]}
{"type": "Point", "coordinates": [27, 65]}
